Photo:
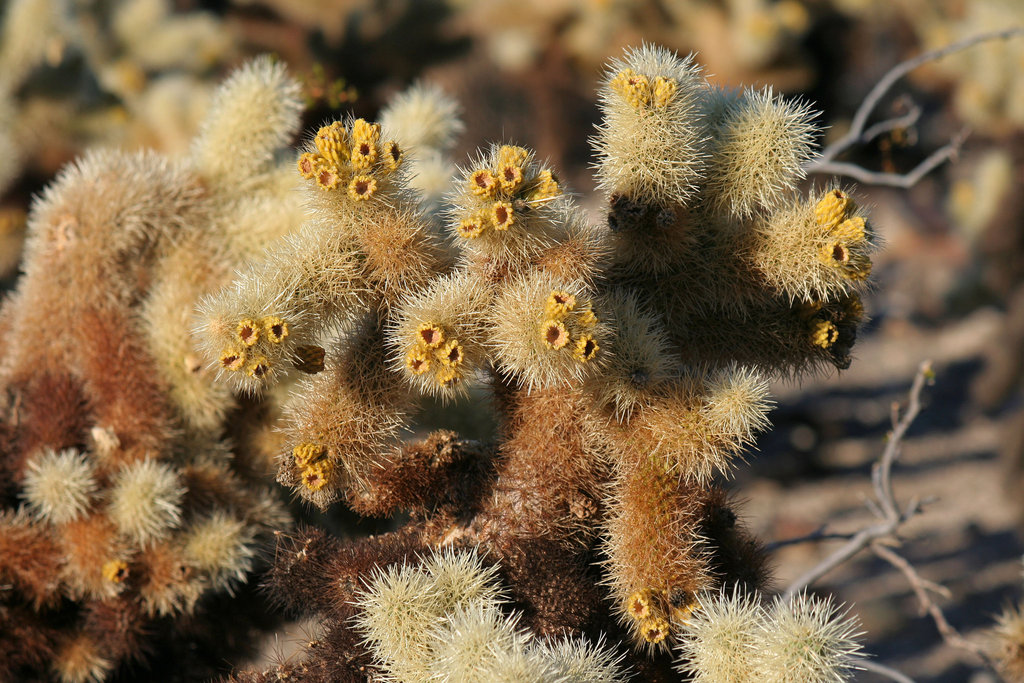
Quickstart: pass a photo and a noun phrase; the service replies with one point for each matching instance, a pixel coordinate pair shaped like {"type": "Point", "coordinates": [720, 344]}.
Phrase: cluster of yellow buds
{"type": "Point", "coordinates": [509, 187]}
{"type": "Point", "coordinates": [845, 235]}
{"type": "Point", "coordinates": [640, 92]}
{"type": "Point", "coordinates": [355, 159]}
{"type": "Point", "coordinates": [644, 609]}
{"type": "Point", "coordinates": [435, 351]}
{"type": "Point", "coordinates": [823, 333]}
{"type": "Point", "coordinates": [824, 323]}
{"type": "Point", "coordinates": [312, 460]}
{"type": "Point", "coordinates": [250, 335]}
{"type": "Point", "coordinates": [564, 321]}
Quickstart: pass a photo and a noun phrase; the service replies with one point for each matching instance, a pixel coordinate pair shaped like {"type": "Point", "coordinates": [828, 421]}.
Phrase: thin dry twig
{"type": "Point", "coordinates": [921, 588]}
{"type": "Point", "coordinates": [883, 670]}
{"type": "Point", "coordinates": [860, 133]}
{"type": "Point", "coordinates": [882, 536]}
{"type": "Point", "coordinates": [900, 180]}
{"type": "Point", "coordinates": [884, 503]}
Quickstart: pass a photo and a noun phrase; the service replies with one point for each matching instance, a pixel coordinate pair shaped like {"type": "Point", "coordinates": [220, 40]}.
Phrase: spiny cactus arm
{"type": "Point", "coordinates": [649, 148]}
{"type": "Point", "coordinates": [506, 209]}
{"type": "Point", "coordinates": [343, 422]}
{"type": "Point", "coordinates": [437, 337]}
{"type": "Point", "coordinates": [233, 146]}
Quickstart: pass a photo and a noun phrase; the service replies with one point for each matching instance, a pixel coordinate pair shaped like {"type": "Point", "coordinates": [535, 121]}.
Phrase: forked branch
{"type": "Point", "coordinates": [860, 133]}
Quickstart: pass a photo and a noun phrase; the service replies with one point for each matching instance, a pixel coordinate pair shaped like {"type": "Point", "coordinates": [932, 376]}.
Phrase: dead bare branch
{"type": "Point", "coordinates": [860, 133]}
{"type": "Point", "coordinates": [921, 587]}
{"type": "Point", "coordinates": [882, 536]}
{"type": "Point", "coordinates": [883, 670]}
{"type": "Point", "coordinates": [884, 503]}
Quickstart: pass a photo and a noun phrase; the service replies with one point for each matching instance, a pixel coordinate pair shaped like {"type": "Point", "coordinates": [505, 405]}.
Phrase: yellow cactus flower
{"type": "Point", "coordinates": [635, 88]}
{"type": "Point", "coordinates": [510, 178]}
{"type": "Point", "coordinates": [586, 348]}
{"type": "Point", "coordinates": [554, 334]}
{"type": "Point", "coordinates": [332, 143]}
{"type": "Point", "coordinates": [248, 332]}
{"type": "Point", "coordinates": [835, 253]}
{"type": "Point", "coordinates": [364, 155]}
{"type": "Point", "coordinates": [430, 334]}
{"type": "Point", "coordinates": [483, 183]}
{"type": "Point", "coordinates": [362, 187]}
{"type": "Point", "coordinates": [471, 228]}
{"type": "Point", "coordinates": [393, 155]}
{"type": "Point", "coordinates": [115, 571]}
{"type": "Point", "coordinates": [823, 333]}
{"type": "Point", "coordinates": [232, 359]}
{"type": "Point", "coordinates": [510, 155]}
{"type": "Point", "coordinates": [275, 328]}
{"type": "Point", "coordinates": [654, 630]}
{"type": "Point", "coordinates": [664, 91]}
{"type": "Point", "coordinates": [258, 367]}
{"type": "Point", "coordinates": [447, 375]}
{"type": "Point", "coordinates": [558, 304]}
{"type": "Point", "coordinates": [327, 178]}
{"type": "Point", "coordinates": [316, 475]}
{"type": "Point", "coordinates": [305, 454]}
{"type": "Point", "coordinates": [417, 360]}
{"type": "Point", "coordinates": [451, 354]}
{"type": "Point", "coordinates": [850, 230]}
{"type": "Point", "coordinates": [364, 131]}
{"type": "Point", "coordinates": [587, 318]}
{"type": "Point", "coordinates": [308, 165]}
{"type": "Point", "coordinates": [503, 216]}
{"type": "Point", "coordinates": [546, 186]}
{"type": "Point", "coordinates": [638, 605]}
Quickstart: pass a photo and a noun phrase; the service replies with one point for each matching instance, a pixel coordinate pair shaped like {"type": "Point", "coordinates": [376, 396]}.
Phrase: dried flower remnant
{"type": "Point", "coordinates": [309, 358]}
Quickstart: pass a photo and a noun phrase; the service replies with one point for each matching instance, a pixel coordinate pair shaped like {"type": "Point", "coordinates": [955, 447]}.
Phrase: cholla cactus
{"type": "Point", "coordinates": [627, 364]}
{"type": "Point", "coordinates": [124, 502]}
